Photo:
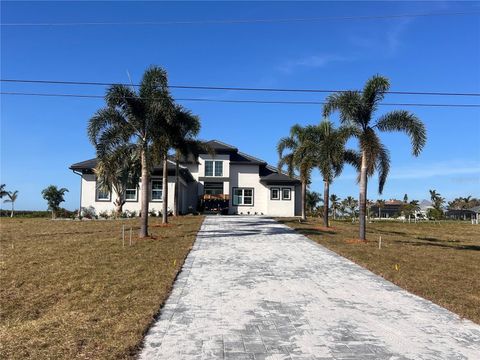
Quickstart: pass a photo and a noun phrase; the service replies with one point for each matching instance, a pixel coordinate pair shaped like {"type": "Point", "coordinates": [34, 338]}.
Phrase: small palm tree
{"type": "Point", "coordinates": [334, 202]}
{"type": "Point", "coordinates": [180, 136]}
{"type": "Point", "coordinates": [351, 204]}
{"type": "Point", "coordinates": [313, 198]}
{"type": "Point", "coordinates": [327, 145]}
{"type": "Point", "coordinates": [301, 158]}
{"type": "Point", "coordinates": [54, 197]}
{"type": "Point", "coordinates": [381, 205]}
{"type": "Point", "coordinates": [117, 170]}
{"type": "Point", "coordinates": [3, 192]}
{"type": "Point", "coordinates": [135, 117]}
{"type": "Point", "coordinates": [356, 110]}
{"type": "Point", "coordinates": [12, 197]}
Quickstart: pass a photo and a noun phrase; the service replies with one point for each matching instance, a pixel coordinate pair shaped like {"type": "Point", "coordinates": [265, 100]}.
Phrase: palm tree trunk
{"type": "Point", "coordinates": [334, 208]}
{"type": "Point", "coordinates": [326, 190]}
{"type": "Point", "coordinates": [11, 214]}
{"type": "Point", "coordinates": [363, 198]}
{"type": "Point", "coordinates": [144, 210]}
{"type": "Point", "coordinates": [304, 197]}
{"type": "Point", "coordinates": [165, 190]}
{"type": "Point", "coordinates": [176, 191]}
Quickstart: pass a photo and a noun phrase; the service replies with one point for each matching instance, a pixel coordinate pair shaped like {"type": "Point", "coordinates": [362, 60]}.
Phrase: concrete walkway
{"type": "Point", "coordinates": [254, 289]}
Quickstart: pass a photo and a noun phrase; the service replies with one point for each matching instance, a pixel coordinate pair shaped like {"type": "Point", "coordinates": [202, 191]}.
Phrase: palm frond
{"type": "Point", "coordinates": [374, 91]}
{"type": "Point", "coordinates": [401, 120]}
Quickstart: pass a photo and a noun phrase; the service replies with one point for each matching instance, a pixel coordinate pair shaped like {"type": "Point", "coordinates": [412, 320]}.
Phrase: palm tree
{"type": "Point", "coordinates": [300, 158]}
{"type": "Point", "coordinates": [381, 205]}
{"type": "Point", "coordinates": [414, 208]}
{"type": "Point", "coordinates": [54, 197]}
{"type": "Point", "coordinates": [134, 117]}
{"type": "Point", "coordinates": [328, 147]}
{"type": "Point", "coordinates": [3, 192]}
{"type": "Point", "coordinates": [181, 135]}
{"type": "Point", "coordinates": [117, 170]}
{"type": "Point", "coordinates": [351, 204]}
{"type": "Point", "coordinates": [437, 199]}
{"type": "Point", "coordinates": [12, 197]}
{"type": "Point", "coordinates": [334, 201]}
{"type": "Point", "coordinates": [312, 200]}
{"type": "Point", "coordinates": [357, 109]}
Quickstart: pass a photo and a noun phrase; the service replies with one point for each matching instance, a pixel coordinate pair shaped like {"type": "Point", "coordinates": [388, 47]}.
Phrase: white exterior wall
{"type": "Point", "coordinates": [247, 176]}
{"type": "Point", "coordinates": [88, 197]}
{"type": "Point", "coordinates": [281, 207]}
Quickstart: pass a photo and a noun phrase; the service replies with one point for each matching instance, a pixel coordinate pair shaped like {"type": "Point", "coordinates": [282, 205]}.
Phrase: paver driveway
{"type": "Point", "coordinates": [254, 289]}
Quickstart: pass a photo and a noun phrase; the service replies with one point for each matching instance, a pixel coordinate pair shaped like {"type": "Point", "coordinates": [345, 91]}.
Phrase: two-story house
{"type": "Point", "coordinates": [243, 183]}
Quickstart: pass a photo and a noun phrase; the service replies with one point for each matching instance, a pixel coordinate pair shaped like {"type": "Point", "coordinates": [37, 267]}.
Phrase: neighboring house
{"type": "Point", "coordinates": [240, 184]}
{"type": "Point", "coordinates": [463, 214]}
{"type": "Point", "coordinates": [391, 209]}
{"type": "Point", "coordinates": [424, 205]}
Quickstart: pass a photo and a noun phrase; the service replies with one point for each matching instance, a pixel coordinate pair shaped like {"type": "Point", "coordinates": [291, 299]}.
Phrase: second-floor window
{"type": "Point", "coordinates": [213, 168]}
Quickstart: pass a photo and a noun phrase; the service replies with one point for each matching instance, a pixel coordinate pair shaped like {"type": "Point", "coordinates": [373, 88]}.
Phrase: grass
{"type": "Point", "coordinates": [439, 262]}
{"type": "Point", "coordinates": [70, 290]}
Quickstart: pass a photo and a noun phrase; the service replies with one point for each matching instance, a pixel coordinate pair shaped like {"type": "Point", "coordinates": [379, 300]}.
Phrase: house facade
{"type": "Point", "coordinates": [223, 180]}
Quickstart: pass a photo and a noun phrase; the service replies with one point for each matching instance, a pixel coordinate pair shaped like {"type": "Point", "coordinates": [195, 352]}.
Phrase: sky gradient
{"type": "Point", "coordinates": [41, 137]}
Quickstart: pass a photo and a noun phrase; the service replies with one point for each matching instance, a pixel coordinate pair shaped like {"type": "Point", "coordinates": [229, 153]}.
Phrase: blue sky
{"type": "Point", "coordinates": [41, 137]}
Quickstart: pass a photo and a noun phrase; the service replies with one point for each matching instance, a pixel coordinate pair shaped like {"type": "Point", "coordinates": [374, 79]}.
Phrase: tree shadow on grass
{"type": "Point", "coordinates": [438, 243]}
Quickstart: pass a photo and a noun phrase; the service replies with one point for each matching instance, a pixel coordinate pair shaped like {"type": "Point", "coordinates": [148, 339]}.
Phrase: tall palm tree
{"type": "Point", "coordinates": [12, 197]}
{"type": "Point", "coordinates": [334, 201]}
{"type": "Point", "coordinates": [135, 117]}
{"type": "Point", "coordinates": [357, 110]}
{"type": "Point", "coordinates": [117, 170]}
{"type": "Point", "coordinates": [300, 158]}
{"type": "Point", "coordinates": [328, 146]}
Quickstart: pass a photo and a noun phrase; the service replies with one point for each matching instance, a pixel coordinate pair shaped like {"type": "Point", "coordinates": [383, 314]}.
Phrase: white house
{"type": "Point", "coordinates": [226, 181]}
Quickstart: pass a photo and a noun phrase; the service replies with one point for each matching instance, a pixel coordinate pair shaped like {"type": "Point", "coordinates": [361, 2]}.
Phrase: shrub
{"type": "Point", "coordinates": [104, 214]}
{"type": "Point", "coordinates": [152, 213]}
{"type": "Point", "coordinates": [89, 212]}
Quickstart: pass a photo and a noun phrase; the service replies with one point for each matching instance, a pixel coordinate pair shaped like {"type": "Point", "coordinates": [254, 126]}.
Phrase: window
{"type": "Point", "coordinates": [213, 168]}
{"type": "Point", "coordinates": [286, 194]}
{"type": "Point", "coordinates": [242, 196]}
{"type": "Point", "coordinates": [131, 193]}
{"type": "Point", "coordinates": [274, 194]}
{"type": "Point", "coordinates": [102, 194]}
{"type": "Point", "coordinates": [157, 190]}
{"type": "Point", "coordinates": [213, 188]}
{"type": "Point", "coordinates": [218, 168]}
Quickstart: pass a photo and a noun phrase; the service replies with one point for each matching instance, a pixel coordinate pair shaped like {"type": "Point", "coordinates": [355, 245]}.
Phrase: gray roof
{"type": "Point", "coordinates": [475, 209]}
{"type": "Point", "coordinates": [278, 179]}
{"type": "Point", "coordinates": [87, 166]}
{"type": "Point", "coordinates": [268, 174]}
{"type": "Point", "coordinates": [219, 146]}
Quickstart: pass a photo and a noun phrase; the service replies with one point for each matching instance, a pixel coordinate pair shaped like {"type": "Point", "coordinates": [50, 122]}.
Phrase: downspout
{"type": "Point", "coordinates": [81, 177]}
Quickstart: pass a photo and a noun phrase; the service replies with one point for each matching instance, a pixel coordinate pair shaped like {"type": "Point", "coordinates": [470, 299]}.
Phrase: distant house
{"type": "Point", "coordinates": [463, 214]}
{"type": "Point", "coordinates": [424, 205]}
{"type": "Point", "coordinates": [391, 209]}
{"type": "Point", "coordinates": [226, 181]}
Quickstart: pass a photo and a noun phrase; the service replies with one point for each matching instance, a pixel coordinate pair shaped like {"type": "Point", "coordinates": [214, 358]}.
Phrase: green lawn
{"type": "Point", "coordinates": [439, 262]}
{"type": "Point", "coordinates": [70, 290]}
